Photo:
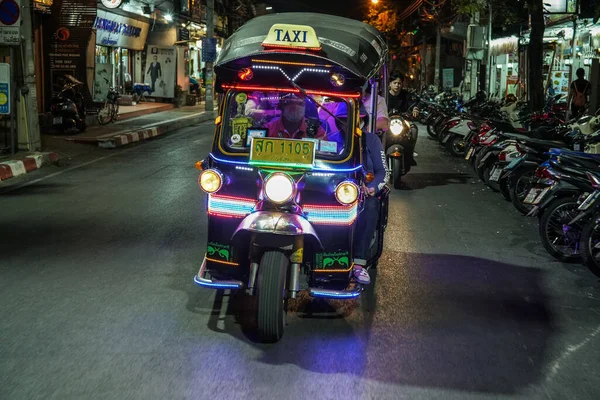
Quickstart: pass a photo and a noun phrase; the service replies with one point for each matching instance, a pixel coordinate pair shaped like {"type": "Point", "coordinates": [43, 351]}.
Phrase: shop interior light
{"type": "Point", "coordinates": [168, 17]}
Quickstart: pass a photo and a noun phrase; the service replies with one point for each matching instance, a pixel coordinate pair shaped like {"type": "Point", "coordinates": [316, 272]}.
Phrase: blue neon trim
{"type": "Point", "coordinates": [336, 296]}
{"type": "Point", "coordinates": [215, 285]}
{"type": "Point", "coordinates": [314, 169]}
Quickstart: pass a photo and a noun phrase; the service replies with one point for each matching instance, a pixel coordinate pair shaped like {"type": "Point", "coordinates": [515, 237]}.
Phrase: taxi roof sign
{"type": "Point", "coordinates": [300, 37]}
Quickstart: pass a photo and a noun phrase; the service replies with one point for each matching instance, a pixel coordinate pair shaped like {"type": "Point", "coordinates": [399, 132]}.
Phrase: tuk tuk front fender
{"type": "Point", "coordinates": [277, 223]}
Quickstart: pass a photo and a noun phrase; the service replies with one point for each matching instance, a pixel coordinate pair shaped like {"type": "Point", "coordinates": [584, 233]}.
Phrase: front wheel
{"type": "Point", "coordinates": [560, 239]}
{"type": "Point", "coordinates": [396, 172]}
{"type": "Point", "coordinates": [271, 288]}
{"type": "Point", "coordinates": [456, 145]}
{"type": "Point", "coordinates": [519, 187]}
{"type": "Point", "coordinates": [105, 114]}
{"type": "Point", "coordinates": [590, 246]}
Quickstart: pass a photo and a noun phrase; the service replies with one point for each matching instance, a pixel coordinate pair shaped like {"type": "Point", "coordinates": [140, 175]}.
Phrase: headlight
{"type": "Point", "coordinates": [396, 126]}
{"type": "Point", "coordinates": [346, 192]}
{"type": "Point", "coordinates": [279, 188]}
{"type": "Point", "coordinates": [210, 180]}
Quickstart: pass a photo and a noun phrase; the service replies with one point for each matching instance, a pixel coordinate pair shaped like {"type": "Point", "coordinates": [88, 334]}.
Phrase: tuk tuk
{"type": "Point", "coordinates": [284, 177]}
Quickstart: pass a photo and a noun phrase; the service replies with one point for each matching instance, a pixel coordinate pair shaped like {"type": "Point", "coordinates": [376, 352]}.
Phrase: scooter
{"type": "Point", "coordinates": [68, 108]}
{"type": "Point", "coordinates": [400, 141]}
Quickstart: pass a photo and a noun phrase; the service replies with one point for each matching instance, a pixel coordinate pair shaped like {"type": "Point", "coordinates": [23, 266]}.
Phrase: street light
{"type": "Point", "coordinates": [268, 8]}
{"type": "Point", "coordinates": [374, 1]}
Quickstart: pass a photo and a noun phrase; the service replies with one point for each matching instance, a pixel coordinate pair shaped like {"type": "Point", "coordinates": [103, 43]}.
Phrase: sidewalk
{"type": "Point", "coordinates": [158, 119]}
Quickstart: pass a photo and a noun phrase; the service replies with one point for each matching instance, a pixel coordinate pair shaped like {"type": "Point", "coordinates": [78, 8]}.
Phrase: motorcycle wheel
{"type": "Point", "coordinates": [590, 246]}
{"type": "Point", "coordinates": [486, 178]}
{"type": "Point", "coordinates": [519, 186]}
{"type": "Point", "coordinates": [272, 303]}
{"type": "Point", "coordinates": [456, 146]}
{"type": "Point", "coordinates": [397, 172]}
{"type": "Point", "coordinates": [431, 132]}
{"type": "Point", "coordinates": [504, 188]}
{"type": "Point", "coordinates": [82, 126]}
{"type": "Point", "coordinates": [559, 240]}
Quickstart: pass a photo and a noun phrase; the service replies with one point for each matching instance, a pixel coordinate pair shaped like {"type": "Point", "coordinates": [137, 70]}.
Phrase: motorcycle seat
{"type": "Point", "coordinates": [541, 144]}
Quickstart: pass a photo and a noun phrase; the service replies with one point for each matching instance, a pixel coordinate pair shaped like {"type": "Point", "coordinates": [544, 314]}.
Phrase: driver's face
{"type": "Point", "coordinates": [294, 112]}
{"type": "Point", "coordinates": [395, 85]}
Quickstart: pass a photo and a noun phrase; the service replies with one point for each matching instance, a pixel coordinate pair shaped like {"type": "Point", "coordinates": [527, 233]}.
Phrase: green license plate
{"type": "Point", "coordinates": [282, 152]}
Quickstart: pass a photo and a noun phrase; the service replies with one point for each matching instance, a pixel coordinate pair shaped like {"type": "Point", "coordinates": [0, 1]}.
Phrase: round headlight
{"type": "Point", "coordinates": [396, 126]}
{"type": "Point", "coordinates": [346, 192]}
{"type": "Point", "coordinates": [279, 188]}
{"type": "Point", "coordinates": [210, 180]}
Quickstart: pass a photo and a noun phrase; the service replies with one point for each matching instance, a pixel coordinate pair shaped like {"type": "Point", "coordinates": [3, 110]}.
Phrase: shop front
{"type": "Point", "coordinates": [118, 54]}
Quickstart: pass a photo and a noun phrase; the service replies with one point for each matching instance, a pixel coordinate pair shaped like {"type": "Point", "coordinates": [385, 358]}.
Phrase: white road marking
{"type": "Point", "coordinates": [570, 350]}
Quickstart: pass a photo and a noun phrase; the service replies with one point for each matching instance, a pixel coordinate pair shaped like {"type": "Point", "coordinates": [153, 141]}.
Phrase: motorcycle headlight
{"type": "Point", "coordinates": [346, 192]}
{"type": "Point", "coordinates": [396, 126]}
{"type": "Point", "coordinates": [279, 188]}
{"type": "Point", "coordinates": [210, 180]}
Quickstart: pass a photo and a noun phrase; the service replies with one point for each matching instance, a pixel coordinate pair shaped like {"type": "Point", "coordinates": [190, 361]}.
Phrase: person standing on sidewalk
{"type": "Point", "coordinates": [579, 92]}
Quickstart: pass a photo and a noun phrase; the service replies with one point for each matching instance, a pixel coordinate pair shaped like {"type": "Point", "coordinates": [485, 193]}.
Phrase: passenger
{"type": "Point", "coordinates": [375, 164]}
{"type": "Point", "coordinates": [292, 123]}
{"type": "Point", "coordinates": [383, 120]}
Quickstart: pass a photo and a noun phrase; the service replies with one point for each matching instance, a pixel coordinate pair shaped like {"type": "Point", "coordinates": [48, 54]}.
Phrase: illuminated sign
{"type": "Point", "coordinates": [560, 6]}
{"type": "Point", "coordinates": [111, 3]}
{"type": "Point", "coordinates": [117, 27]}
{"type": "Point", "coordinates": [299, 36]}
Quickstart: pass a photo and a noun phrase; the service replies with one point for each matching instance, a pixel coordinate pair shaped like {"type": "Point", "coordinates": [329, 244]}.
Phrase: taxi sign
{"type": "Point", "coordinates": [293, 36]}
{"type": "Point", "coordinates": [282, 152]}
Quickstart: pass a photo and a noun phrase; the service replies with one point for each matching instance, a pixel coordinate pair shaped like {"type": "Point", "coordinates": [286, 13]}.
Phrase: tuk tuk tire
{"type": "Point", "coordinates": [397, 172]}
{"type": "Point", "coordinates": [272, 303]}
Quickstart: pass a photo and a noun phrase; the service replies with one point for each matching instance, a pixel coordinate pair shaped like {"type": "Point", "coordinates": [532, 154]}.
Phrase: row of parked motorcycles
{"type": "Point", "coordinates": [547, 167]}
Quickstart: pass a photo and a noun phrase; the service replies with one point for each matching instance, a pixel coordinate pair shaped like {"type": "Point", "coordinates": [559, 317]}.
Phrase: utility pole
{"type": "Point", "coordinates": [210, 33]}
{"type": "Point", "coordinates": [489, 69]}
{"type": "Point", "coordinates": [438, 45]}
{"type": "Point", "coordinates": [32, 141]}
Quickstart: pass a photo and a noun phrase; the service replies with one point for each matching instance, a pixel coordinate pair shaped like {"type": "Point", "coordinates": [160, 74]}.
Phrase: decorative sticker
{"type": "Point", "coordinates": [336, 260]}
{"type": "Point", "coordinates": [219, 251]}
{"type": "Point", "coordinates": [328, 147]}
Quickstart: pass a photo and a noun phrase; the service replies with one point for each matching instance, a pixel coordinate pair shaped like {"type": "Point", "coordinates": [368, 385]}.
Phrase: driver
{"type": "Point", "coordinates": [292, 123]}
{"type": "Point", "coordinates": [375, 165]}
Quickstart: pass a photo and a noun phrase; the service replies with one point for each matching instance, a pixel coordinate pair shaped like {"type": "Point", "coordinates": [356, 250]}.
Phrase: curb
{"type": "Point", "coordinates": [153, 131]}
{"type": "Point", "coordinates": [12, 168]}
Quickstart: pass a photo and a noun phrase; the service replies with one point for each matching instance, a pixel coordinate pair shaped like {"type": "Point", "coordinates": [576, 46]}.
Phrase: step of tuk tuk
{"type": "Point", "coordinates": [336, 294]}
{"type": "Point", "coordinates": [217, 284]}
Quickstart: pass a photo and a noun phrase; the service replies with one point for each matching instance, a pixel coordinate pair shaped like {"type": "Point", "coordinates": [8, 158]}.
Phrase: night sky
{"type": "Point", "coordinates": [346, 8]}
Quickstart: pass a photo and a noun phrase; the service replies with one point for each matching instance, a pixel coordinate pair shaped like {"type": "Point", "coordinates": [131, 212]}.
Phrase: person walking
{"type": "Point", "coordinates": [579, 92]}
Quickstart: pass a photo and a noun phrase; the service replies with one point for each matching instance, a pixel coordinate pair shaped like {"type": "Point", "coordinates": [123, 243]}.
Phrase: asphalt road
{"type": "Point", "coordinates": [97, 299]}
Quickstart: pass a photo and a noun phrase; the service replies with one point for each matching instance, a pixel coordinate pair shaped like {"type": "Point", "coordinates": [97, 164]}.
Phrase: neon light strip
{"type": "Point", "coordinates": [290, 90]}
{"type": "Point", "coordinates": [292, 63]}
{"type": "Point", "coordinates": [215, 285]}
{"type": "Point", "coordinates": [329, 295]}
{"type": "Point", "coordinates": [272, 67]}
{"type": "Point", "coordinates": [335, 270]}
{"type": "Point", "coordinates": [289, 48]}
{"type": "Point", "coordinates": [326, 169]}
{"type": "Point", "coordinates": [316, 70]}
{"type": "Point", "coordinates": [222, 262]}
{"type": "Point", "coordinates": [227, 206]}
{"type": "Point", "coordinates": [331, 215]}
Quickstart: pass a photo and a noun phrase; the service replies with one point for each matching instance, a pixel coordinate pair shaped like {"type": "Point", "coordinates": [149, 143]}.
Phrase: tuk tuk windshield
{"type": "Point", "coordinates": [289, 116]}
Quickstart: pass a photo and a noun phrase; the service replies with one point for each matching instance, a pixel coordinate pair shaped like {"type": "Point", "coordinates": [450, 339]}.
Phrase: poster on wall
{"type": "Point", "coordinates": [160, 71]}
{"type": "Point", "coordinates": [103, 80]}
{"type": "Point", "coordinates": [560, 81]}
{"type": "Point", "coordinates": [448, 78]}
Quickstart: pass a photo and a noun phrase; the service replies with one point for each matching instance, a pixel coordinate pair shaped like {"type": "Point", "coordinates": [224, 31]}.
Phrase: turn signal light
{"type": "Point", "coordinates": [346, 192]}
{"type": "Point", "coordinates": [210, 180]}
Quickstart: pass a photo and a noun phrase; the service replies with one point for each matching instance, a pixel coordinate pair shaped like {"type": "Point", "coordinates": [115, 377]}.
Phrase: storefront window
{"type": "Point", "coordinates": [102, 54]}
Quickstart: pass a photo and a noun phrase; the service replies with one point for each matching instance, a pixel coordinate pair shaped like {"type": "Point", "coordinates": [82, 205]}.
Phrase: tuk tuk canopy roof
{"type": "Point", "coordinates": [354, 45]}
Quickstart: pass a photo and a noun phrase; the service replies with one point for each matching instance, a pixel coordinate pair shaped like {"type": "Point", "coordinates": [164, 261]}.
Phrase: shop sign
{"type": "Point", "coordinates": [184, 34]}
{"type": "Point", "coordinates": [4, 88]}
{"type": "Point", "coordinates": [119, 31]}
{"type": "Point", "coordinates": [560, 6]}
{"type": "Point", "coordinates": [42, 6]}
{"type": "Point", "coordinates": [10, 22]}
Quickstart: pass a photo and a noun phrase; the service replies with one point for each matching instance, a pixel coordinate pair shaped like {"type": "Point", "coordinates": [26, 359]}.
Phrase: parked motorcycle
{"type": "Point", "coordinates": [68, 107]}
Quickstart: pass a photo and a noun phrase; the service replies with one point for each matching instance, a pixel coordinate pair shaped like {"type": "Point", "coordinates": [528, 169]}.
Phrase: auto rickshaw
{"type": "Point", "coordinates": [285, 173]}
